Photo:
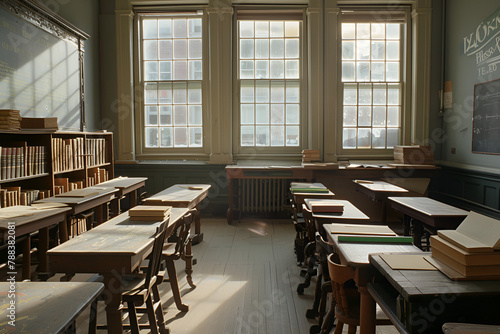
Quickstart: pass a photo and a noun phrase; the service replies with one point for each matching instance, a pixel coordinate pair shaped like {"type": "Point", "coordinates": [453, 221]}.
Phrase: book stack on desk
{"type": "Point", "coordinates": [302, 187]}
{"type": "Point", "coordinates": [148, 212]}
{"type": "Point", "coordinates": [473, 249]}
{"type": "Point", "coordinates": [415, 155]}
{"type": "Point", "coordinates": [10, 119]}
{"type": "Point", "coordinates": [326, 207]}
{"type": "Point", "coordinates": [310, 156]}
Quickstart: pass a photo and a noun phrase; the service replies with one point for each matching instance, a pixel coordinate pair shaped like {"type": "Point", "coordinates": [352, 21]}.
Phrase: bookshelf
{"type": "Point", "coordinates": [36, 164]}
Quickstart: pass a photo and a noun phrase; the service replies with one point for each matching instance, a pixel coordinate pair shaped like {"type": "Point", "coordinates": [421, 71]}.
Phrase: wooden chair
{"type": "Point", "coordinates": [180, 249]}
{"type": "Point", "coordinates": [309, 250]}
{"type": "Point", "coordinates": [143, 290]}
{"type": "Point", "coordinates": [347, 298]}
{"type": "Point", "coordinates": [301, 238]}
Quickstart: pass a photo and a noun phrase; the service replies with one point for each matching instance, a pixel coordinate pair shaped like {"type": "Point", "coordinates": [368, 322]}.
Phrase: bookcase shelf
{"type": "Point", "coordinates": [47, 163]}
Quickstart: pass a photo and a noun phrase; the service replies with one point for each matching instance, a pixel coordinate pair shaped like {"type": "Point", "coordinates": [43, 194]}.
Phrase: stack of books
{"type": "Point", "coordinates": [42, 123]}
{"type": "Point", "coordinates": [10, 119]}
{"type": "Point", "coordinates": [303, 187]}
{"type": "Point", "coordinates": [326, 206]}
{"type": "Point", "coordinates": [472, 250]}
{"type": "Point", "coordinates": [413, 155]}
{"type": "Point", "coordinates": [149, 212]}
{"type": "Point", "coordinates": [310, 156]}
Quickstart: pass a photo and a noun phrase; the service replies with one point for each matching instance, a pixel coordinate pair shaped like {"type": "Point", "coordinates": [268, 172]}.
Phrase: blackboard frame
{"type": "Point", "coordinates": [486, 100]}
{"type": "Point", "coordinates": [43, 18]}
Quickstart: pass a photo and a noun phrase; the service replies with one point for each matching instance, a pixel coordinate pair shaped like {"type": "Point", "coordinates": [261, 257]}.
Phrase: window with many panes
{"type": "Point", "coordinates": [372, 82]}
{"type": "Point", "coordinates": [171, 80]}
{"type": "Point", "coordinates": [269, 77]}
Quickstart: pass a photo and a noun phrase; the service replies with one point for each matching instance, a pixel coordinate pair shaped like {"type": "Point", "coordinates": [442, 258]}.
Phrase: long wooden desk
{"type": "Point", "coordinates": [356, 255]}
{"type": "Point", "coordinates": [183, 196]}
{"type": "Point", "coordinates": [421, 301]}
{"type": "Point", "coordinates": [125, 185]}
{"type": "Point", "coordinates": [327, 175]}
{"type": "Point", "coordinates": [424, 210]}
{"type": "Point", "coordinates": [32, 220]}
{"type": "Point", "coordinates": [46, 307]}
{"type": "Point", "coordinates": [112, 249]}
{"type": "Point", "coordinates": [97, 196]}
{"type": "Point", "coordinates": [379, 191]}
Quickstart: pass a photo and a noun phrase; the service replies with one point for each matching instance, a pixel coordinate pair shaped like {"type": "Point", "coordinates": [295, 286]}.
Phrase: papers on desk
{"type": "Point", "coordinates": [361, 229]}
{"type": "Point", "coordinates": [407, 262]}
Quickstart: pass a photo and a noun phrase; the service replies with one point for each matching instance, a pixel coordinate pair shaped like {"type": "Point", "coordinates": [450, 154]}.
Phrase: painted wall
{"type": "Point", "coordinates": [84, 15]}
{"type": "Point", "coordinates": [462, 19]}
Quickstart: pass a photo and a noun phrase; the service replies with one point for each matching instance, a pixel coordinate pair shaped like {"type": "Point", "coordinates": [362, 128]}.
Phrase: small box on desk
{"type": "Point", "coordinates": [49, 123]}
{"type": "Point", "coordinates": [413, 155]}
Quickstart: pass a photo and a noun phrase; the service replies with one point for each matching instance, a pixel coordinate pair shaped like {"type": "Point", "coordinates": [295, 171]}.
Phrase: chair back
{"type": "Point", "coordinates": [346, 295]}
{"type": "Point", "coordinates": [184, 233]}
{"type": "Point", "coordinates": [308, 218]}
{"type": "Point", "coordinates": [155, 256]}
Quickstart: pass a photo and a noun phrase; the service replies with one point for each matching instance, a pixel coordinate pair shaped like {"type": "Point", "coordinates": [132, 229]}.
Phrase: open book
{"type": "Point", "coordinates": [477, 233]}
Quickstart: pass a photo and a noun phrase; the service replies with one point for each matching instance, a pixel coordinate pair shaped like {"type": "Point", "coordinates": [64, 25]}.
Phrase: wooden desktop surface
{"type": "Point", "coordinates": [443, 299]}
{"type": "Point", "coordinates": [180, 195]}
{"type": "Point", "coordinates": [114, 248]}
{"type": "Point", "coordinates": [47, 307]}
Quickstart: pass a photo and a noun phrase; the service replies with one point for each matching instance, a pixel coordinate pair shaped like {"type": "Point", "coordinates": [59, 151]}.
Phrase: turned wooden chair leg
{"type": "Point", "coordinates": [134, 323]}
{"type": "Point", "coordinates": [174, 284]}
{"type": "Point", "coordinates": [153, 323]}
{"type": "Point", "coordinates": [160, 319]}
{"type": "Point", "coordinates": [188, 258]}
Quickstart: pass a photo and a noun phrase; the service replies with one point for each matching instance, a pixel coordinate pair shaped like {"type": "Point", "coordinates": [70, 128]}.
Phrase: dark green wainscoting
{"type": "Point", "coordinates": [161, 176]}
{"type": "Point", "coordinates": [470, 190]}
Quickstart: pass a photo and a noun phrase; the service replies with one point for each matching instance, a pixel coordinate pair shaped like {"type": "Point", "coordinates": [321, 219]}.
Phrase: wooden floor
{"type": "Point", "coordinates": [246, 277]}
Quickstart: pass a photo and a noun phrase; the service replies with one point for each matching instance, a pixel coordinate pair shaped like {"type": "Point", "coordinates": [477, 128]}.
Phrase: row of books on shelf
{"type": "Point", "coordinates": [10, 196]}
{"type": "Point", "coordinates": [97, 176]}
{"type": "Point", "coordinates": [96, 151]}
{"type": "Point", "coordinates": [67, 154]}
{"type": "Point", "coordinates": [22, 161]}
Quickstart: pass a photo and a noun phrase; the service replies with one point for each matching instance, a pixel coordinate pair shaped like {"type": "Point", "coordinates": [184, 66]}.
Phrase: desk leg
{"type": "Point", "coordinates": [406, 224]}
{"type": "Point", "coordinates": [198, 236]}
{"type": "Point", "coordinates": [133, 198]}
{"type": "Point", "coordinates": [113, 300]}
{"type": "Point", "coordinates": [114, 206]}
{"type": "Point", "coordinates": [229, 215]}
{"type": "Point", "coordinates": [27, 258]}
{"type": "Point", "coordinates": [418, 232]}
{"type": "Point", "coordinates": [63, 230]}
{"type": "Point", "coordinates": [99, 216]}
{"type": "Point", "coordinates": [367, 312]}
{"type": "Point", "coordinates": [42, 249]}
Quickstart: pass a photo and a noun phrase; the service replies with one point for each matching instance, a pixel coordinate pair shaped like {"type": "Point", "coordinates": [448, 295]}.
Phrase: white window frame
{"type": "Point", "coordinates": [406, 80]}
{"type": "Point", "coordinates": [269, 13]}
{"type": "Point", "coordinates": [174, 153]}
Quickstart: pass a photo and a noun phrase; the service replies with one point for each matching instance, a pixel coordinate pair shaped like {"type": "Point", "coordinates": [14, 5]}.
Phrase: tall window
{"type": "Point", "coordinates": [372, 83]}
{"type": "Point", "coordinates": [269, 62]}
{"type": "Point", "coordinates": [171, 79]}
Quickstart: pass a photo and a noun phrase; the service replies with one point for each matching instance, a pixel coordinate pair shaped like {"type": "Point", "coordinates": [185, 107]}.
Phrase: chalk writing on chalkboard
{"type": "Point", "coordinates": [486, 119]}
{"type": "Point", "coordinates": [41, 62]}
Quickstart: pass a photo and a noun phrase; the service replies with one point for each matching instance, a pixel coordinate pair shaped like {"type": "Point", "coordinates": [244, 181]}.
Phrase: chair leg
{"type": "Point", "coordinates": [339, 327]}
{"type": "Point", "coordinates": [325, 289]}
{"type": "Point", "coordinates": [132, 314]}
{"type": "Point", "coordinates": [174, 284]}
{"type": "Point", "coordinates": [351, 329]}
{"type": "Point", "coordinates": [188, 258]}
{"type": "Point", "coordinates": [159, 311]}
{"type": "Point", "coordinates": [153, 323]}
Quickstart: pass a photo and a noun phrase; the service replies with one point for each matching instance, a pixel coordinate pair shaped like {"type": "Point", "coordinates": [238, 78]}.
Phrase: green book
{"type": "Point", "coordinates": [310, 190]}
{"type": "Point", "coordinates": [376, 239]}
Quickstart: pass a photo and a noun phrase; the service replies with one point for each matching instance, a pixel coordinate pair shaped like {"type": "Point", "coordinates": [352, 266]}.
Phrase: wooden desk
{"type": "Point", "coordinates": [299, 197]}
{"type": "Point", "coordinates": [424, 210]}
{"type": "Point", "coordinates": [181, 196]}
{"type": "Point", "coordinates": [427, 299]}
{"type": "Point", "coordinates": [356, 255]}
{"type": "Point", "coordinates": [112, 249]}
{"type": "Point", "coordinates": [97, 197]}
{"type": "Point", "coordinates": [379, 191]}
{"type": "Point", "coordinates": [125, 185]}
{"type": "Point", "coordinates": [46, 307]}
{"type": "Point", "coordinates": [37, 220]}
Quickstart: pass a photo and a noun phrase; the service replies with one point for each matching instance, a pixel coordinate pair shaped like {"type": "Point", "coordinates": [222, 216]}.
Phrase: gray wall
{"type": "Point", "coordinates": [84, 15]}
{"type": "Point", "coordinates": [462, 19]}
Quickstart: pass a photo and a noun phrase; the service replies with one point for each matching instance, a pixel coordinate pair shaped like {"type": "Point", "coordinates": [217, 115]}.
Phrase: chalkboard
{"type": "Point", "coordinates": [41, 63]}
{"type": "Point", "coordinates": [486, 121]}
